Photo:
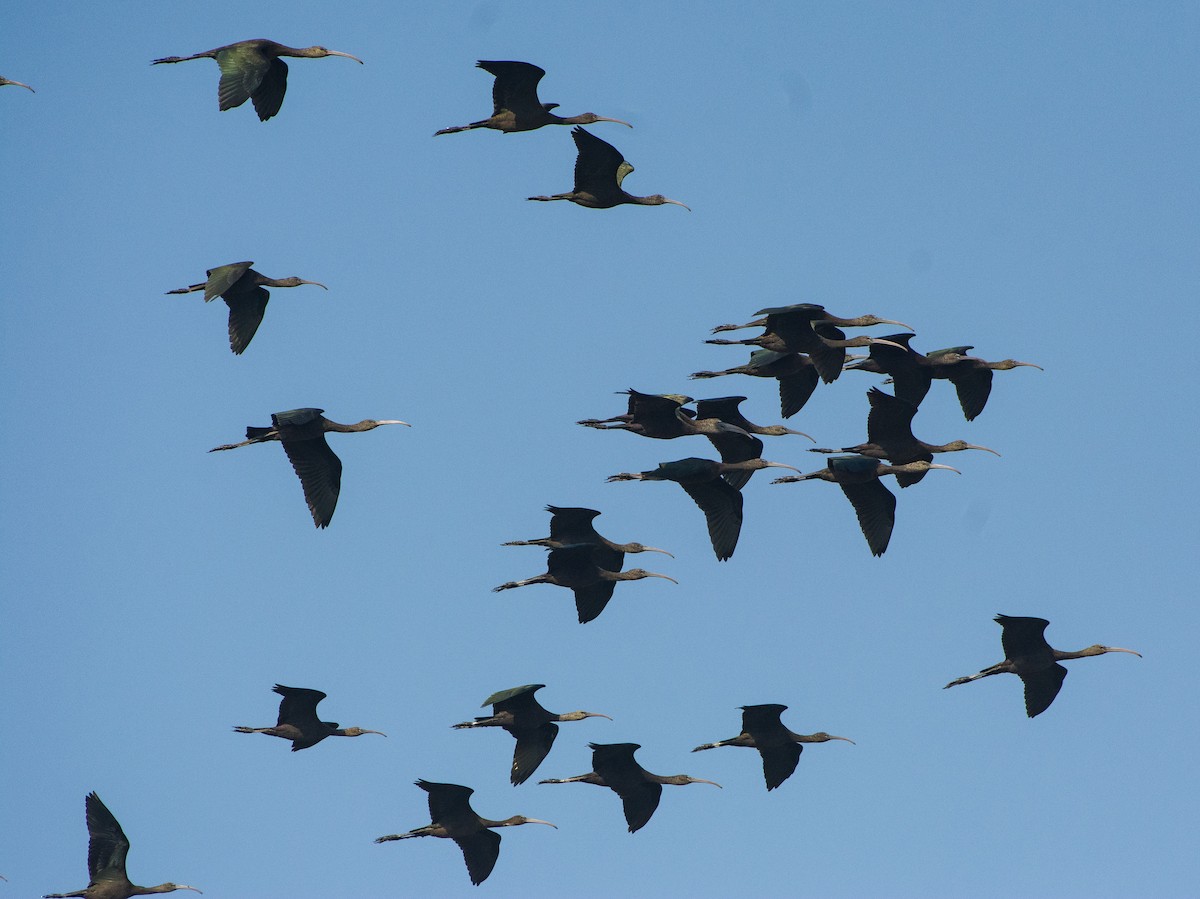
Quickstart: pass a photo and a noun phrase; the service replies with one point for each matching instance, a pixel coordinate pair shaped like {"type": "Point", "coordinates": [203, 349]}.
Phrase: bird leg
{"type": "Point", "coordinates": [999, 668]}
{"type": "Point", "coordinates": [757, 323]}
{"type": "Point", "coordinates": [590, 778]}
{"type": "Point", "coordinates": [274, 435]}
{"type": "Point", "coordinates": [426, 831]}
{"type": "Point", "coordinates": [625, 476]}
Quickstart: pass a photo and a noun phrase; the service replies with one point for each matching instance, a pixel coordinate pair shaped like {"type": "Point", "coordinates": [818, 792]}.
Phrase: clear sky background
{"type": "Point", "coordinates": [1016, 176]}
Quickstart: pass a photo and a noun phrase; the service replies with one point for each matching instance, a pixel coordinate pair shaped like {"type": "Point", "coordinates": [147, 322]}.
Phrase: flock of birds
{"type": "Point", "coordinates": [800, 347]}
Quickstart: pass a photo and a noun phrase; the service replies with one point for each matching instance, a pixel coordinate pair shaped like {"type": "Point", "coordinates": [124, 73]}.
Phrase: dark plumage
{"type": "Point", "coordinates": [779, 747]}
{"type": "Point", "coordinates": [1031, 658]}
{"type": "Point", "coordinates": [244, 292]}
{"type": "Point", "coordinates": [518, 712]}
{"type": "Point", "coordinates": [298, 720]}
{"type": "Point", "coordinates": [252, 70]}
{"type": "Point", "coordinates": [599, 171]}
{"type": "Point", "coordinates": [302, 433]}
{"type": "Point", "coordinates": [515, 103]}
{"type": "Point", "coordinates": [640, 791]}
{"type": "Point", "coordinates": [453, 818]}
{"type": "Point", "coordinates": [107, 848]}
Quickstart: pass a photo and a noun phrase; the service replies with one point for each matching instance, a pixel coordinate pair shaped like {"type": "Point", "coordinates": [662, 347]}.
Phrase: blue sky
{"type": "Point", "coordinates": [1015, 176]}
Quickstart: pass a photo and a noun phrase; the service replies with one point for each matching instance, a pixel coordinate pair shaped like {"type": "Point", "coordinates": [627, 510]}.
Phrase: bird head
{"type": "Point", "coordinates": [320, 52]}
{"type": "Point", "coordinates": [955, 446]}
{"type": "Point", "coordinates": [822, 737]}
{"type": "Point", "coordinates": [296, 282]}
{"type": "Point", "coordinates": [358, 732]}
{"type": "Point", "coordinates": [590, 118]}
{"type": "Point", "coordinates": [1099, 649]}
{"type": "Point", "coordinates": [641, 548]}
{"type": "Point", "coordinates": [659, 199]}
{"type": "Point", "coordinates": [634, 574]}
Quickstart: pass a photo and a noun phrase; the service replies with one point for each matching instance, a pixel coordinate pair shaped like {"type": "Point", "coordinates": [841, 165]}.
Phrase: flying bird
{"type": "Point", "coordinates": [808, 328]}
{"type": "Point", "coordinates": [720, 501]}
{"type": "Point", "coordinates": [795, 372]}
{"type": "Point", "coordinates": [107, 848]}
{"type": "Point", "coordinates": [859, 478]}
{"type": "Point", "coordinates": [613, 766]}
{"type": "Point", "coordinates": [779, 747]}
{"type": "Point", "coordinates": [890, 436]}
{"type": "Point", "coordinates": [599, 170]}
{"type": "Point", "coordinates": [253, 70]}
{"type": "Point", "coordinates": [519, 713]}
{"type": "Point", "coordinates": [298, 720]}
{"type": "Point", "coordinates": [653, 415]}
{"type": "Point", "coordinates": [453, 818]}
{"type": "Point", "coordinates": [726, 409]}
{"type": "Point", "coordinates": [515, 102]}
{"type": "Point", "coordinates": [245, 293]}
{"type": "Point", "coordinates": [302, 433]}
{"type": "Point", "coordinates": [1031, 658]}
{"type": "Point", "coordinates": [573, 566]}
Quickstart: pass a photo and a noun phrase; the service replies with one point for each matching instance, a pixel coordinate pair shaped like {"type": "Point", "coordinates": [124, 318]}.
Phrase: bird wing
{"type": "Point", "coordinates": [974, 387]}
{"type": "Point", "coordinates": [269, 95]}
{"type": "Point", "coordinates": [875, 506]}
{"type": "Point", "coordinates": [597, 164]}
{"type": "Point", "coordinates": [735, 446]}
{"type": "Point", "coordinates": [1041, 687]}
{"type": "Point", "coordinates": [243, 68]}
{"type": "Point", "coordinates": [299, 707]}
{"type": "Point", "coordinates": [827, 359]}
{"type": "Point", "coordinates": [911, 383]}
{"type": "Point", "coordinates": [480, 851]}
{"type": "Point", "coordinates": [795, 390]}
{"type": "Point", "coordinates": [448, 803]}
{"type": "Point", "coordinates": [889, 425]}
{"type": "Point", "coordinates": [320, 473]}
{"type": "Point", "coordinates": [1023, 637]}
{"type": "Point", "coordinates": [779, 761]}
{"type": "Point", "coordinates": [107, 843]}
{"type": "Point", "coordinates": [533, 745]}
{"type": "Point", "coordinates": [515, 88]}
{"type": "Point", "coordinates": [639, 800]}
{"type": "Point", "coordinates": [223, 277]}
{"type": "Point", "coordinates": [591, 599]}
{"type": "Point", "coordinates": [572, 524]}
{"type": "Point", "coordinates": [722, 507]}
{"type": "Point", "coordinates": [246, 312]}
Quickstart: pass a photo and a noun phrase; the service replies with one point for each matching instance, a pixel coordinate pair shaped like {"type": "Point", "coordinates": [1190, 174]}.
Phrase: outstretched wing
{"type": "Point", "coordinates": [533, 746]}
{"type": "Point", "coordinates": [515, 88]}
{"type": "Point", "coordinates": [480, 851]}
{"type": "Point", "coordinates": [107, 843]}
{"type": "Point", "coordinates": [875, 506]}
{"type": "Point", "coordinates": [1041, 687]}
{"type": "Point", "coordinates": [320, 473]}
{"type": "Point", "coordinates": [722, 507]}
{"type": "Point", "coordinates": [243, 68]}
{"type": "Point", "coordinates": [246, 312]}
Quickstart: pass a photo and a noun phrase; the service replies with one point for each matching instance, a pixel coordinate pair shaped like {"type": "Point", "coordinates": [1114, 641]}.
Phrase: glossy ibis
{"type": "Point", "coordinates": [779, 747]}
{"type": "Point", "coordinates": [890, 436]}
{"type": "Point", "coordinates": [1031, 658]}
{"type": "Point", "coordinates": [519, 713]}
{"type": "Point", "coordinates": [253, 70]}
{"type": "Point", "coordinates": [649, 415]}
{"type": "Point", "coordinates": [859, 478]}
{"type": "Point", "coordinates": [570, 525]}
{"type": "Point", "coordinates": [245, 293]}
{"type": "Point", "coordinates": [4, 81]}
{"type": "Point", "coordinates": [613, 766]}
{"type": "Point", "coordinates": [298, 720]}
{"type": "Point", "coordinates": [302, 433]}
{"type": "Point", "coordinates": [808, 328]}
{"type": "Point", "coordinates": [599, 170]}
{"type": "Point", "coordinates": [720, 501]}
{"type": "Point", "coordinates": [573, 566]}
{"type": "Point", "coordinates": [796, 374]}
{"type": "Point", "coordinates": [515, 102]}
{"type": "Point", "coordinates": [913, 372]}
{"type": "Point", "coordinates": [107, 848]}
{"type": "Point", "coordinates": [726, 409]}
{"type": "Point", "coordinates": [453, 818]}
{"type": "Point", "coordinates": [971, 376]}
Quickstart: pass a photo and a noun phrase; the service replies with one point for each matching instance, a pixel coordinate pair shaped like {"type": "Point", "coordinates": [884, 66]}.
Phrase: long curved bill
{"type": "Point", "coordinates": [984, 448]}
{"type": "Point", "coordinates": [318, 283]}
{"type": "Point", "coordinates": [601, 118]}
{"type": "Point", "coordinates": [381, 733]}
{"type": "Point", "coordinates": [782, 465]}
{"type": "Point", "coordinates": [1031, 365]}
{"type": "Point", "coordinates": [540, 821]}
{"type": "Point", "coordinates": [701, 780]}
{"type": "Point", "coordinates": [394, 421]}
{"type": "Point", "coordinates": [847, 739]}
{"type": "Point", "coordinates": [663, 576]}
{"type": "Point", "coordinates": [599, 715]}
{"type": "Point", "coordinates": [655, 549]}
{"type": "Point", "coordinates": [800, 434]}
{"type": "Point", "coordinates": [879, 341]}
{"type": "Point", "coordinates": [1119, 649]}
{"type": "Point", "coordinates": [675, 202]}
{"type": "Point", "coordinates": [888, 321]}
{"type": "Point", "coordinates": [947, 467]}
{"type": "Point", "coordinates": [347, 55]}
